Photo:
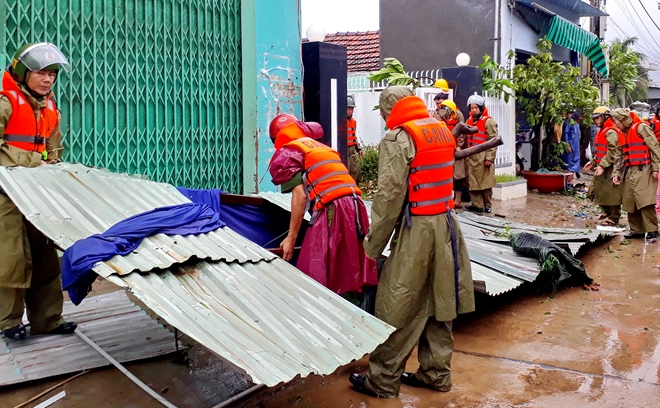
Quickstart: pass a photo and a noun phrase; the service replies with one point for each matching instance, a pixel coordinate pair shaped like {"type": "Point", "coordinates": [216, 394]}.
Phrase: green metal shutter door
{"type": "Point", "coordinates": [155, 87]}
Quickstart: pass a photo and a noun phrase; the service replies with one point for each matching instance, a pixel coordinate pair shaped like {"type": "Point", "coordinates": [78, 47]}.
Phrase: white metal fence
{"type": "Point", "coordinates": [505, 115]}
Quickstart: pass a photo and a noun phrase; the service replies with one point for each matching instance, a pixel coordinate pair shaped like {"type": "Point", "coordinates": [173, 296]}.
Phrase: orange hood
{"type": "Point", "coordinates": [407, 109]}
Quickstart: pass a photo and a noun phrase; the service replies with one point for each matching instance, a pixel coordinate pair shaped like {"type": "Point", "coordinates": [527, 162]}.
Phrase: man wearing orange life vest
{"type": "Point", "coordinates": [448, 113]}
{"type": "Point", "coordinates": [427, 280]}
{"type": "Point", "coordinates": [602, 190]}
{"type": "Point", "coordinates": [481, 167]}
{"type": "Point", "coordinates": [353, 148]}
{"type": "Point", "coordinates": [29, 136]}
{"type": "Point", "coordinates": [331, 252]}
{"type": "Point", "coordinates": [641, 159]}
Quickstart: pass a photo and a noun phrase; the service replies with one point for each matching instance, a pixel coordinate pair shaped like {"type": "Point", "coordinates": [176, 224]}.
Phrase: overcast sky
{"type": "Point", "coordinates": [627, 18]}
{"type": "Point", "coordinates": [340, 15]}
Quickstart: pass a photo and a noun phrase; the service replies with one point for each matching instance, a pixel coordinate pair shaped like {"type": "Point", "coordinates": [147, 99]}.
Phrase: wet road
{"type": "Point", "coordinates": [575, 348]}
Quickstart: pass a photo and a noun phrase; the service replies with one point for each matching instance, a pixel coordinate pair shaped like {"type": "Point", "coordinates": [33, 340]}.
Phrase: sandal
{"type": "Point", "coordinates": [458, 206]}
{"type": "Point", "coordinates": [602, 217]}
{"type": "Point", "coordinates": [608, 222]}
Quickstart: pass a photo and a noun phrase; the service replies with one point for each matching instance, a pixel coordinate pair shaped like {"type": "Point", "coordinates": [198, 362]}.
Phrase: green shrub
{"type": "Point", "coordinates": [505, 178]}
{"type": "Point", "coordinates": [369, 167]}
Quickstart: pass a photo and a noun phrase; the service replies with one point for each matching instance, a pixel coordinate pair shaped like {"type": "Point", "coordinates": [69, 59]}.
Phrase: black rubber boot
{"type": "Point", "coordinates": [64, 328]}
{"type": "Point", "coordinates": [16, 332]}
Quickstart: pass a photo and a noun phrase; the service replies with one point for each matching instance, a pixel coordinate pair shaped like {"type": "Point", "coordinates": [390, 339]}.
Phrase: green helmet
{"type": "Point", "coordinates": [37, 57]}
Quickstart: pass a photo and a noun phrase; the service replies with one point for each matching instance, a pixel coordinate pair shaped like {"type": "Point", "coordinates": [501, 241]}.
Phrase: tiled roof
{"type": "Point", "coordinates": [363, 49]}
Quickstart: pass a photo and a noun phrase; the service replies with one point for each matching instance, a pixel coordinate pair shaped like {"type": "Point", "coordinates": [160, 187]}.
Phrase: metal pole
{"type": "Point", "coordinates": [127, 373]}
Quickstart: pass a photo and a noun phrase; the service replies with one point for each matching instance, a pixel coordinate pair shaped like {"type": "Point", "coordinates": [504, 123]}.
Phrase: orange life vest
{"type": "Point", "coordinates": [451, 123]}
{"type": "Point", "coordinates": [601, 139]}
{"type": "Point", "coordinates": [655, 125]}
{"type": "Point", "coordinates": [482, 135]}
{"type": "Point", "coordinates": [326, 178]}
{"type": "Point", "coordinates": [351, 128]}
{"type": "Point", "coordinates": [23, 130]}
{"type": "Point", "coordinates": [635, 150]}
{"type": "Point", "coordinates": [430, 180]}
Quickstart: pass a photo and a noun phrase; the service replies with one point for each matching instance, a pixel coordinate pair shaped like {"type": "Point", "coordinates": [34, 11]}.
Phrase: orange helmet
{"type": "Point", "coordinates": [279, 122]}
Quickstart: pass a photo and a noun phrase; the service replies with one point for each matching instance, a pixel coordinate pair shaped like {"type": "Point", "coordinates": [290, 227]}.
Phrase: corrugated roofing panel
{"type": "Point", "coordinates": [68, 202]}
{"type": "Point", "coordinates": [267, 317]}
{"type": "Point", "coordinates": [98, 317]}
{"type": "Point", "coordinates": [255, 310]}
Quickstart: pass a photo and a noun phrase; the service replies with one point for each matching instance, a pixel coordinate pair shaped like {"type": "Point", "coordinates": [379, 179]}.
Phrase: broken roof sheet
{"type": "Point", "coordinates": [38, 357]}
{"type": "Point", "coordinates": [250, 307]}
{"type": "Point", "coordinates": [496, 268]}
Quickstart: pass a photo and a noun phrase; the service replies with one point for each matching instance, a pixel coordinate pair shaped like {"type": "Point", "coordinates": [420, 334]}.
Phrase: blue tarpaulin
{"type": "Point", "coordinates": [125, 236]}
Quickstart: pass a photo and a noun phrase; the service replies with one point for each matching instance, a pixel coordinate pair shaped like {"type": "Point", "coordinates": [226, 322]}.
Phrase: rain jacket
{"type": "Point", "coordinates": [418, 277]}
{"type": "Point", "coordinates": [602, 190]}
{"type": "Point", "coordinates": [639, 187]}
{"type": "Point", "coordinates": [17, 258]}
{"type": "Point", "coordinates": [332, 252]}
{"type": "Point", "coordinates": [481, 177]}
{"type": "Point", "coordinates": [571, 134]}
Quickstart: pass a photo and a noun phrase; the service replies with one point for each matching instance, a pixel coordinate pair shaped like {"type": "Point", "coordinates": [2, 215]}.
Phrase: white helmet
{"type": "Point", "coordinates": [477, 100]}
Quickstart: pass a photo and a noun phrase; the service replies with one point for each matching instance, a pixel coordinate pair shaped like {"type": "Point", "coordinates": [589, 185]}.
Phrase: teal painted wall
{"type": "Point", "coordinates": [272, 80]}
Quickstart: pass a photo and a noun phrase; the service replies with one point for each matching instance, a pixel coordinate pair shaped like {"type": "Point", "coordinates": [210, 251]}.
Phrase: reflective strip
{"type": "Point", "coordinates": [51, 105]}
{"type": "Point", "coordinates": [431, 167]}
{"type": "Point", "coordinates": [432, 202]}
{"type": "Point", "coordinates": [435, 184]}
{"type": "Point", "coordinates": [321, 163]}
{"type": "Point", "coordinates": [326, 176]}
{"type": "Point", "coordinates": [333, 188]}
{"type": "Point", "coordinates": [601, 145]}
{"type": "Point", "coordinates": [634, 144]}
{"type": "Point", "coordinates": [37, 140]}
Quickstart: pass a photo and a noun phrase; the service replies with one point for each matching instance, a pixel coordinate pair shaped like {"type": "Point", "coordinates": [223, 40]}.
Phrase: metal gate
{"type": "Point", "coordinates": [155, 87]}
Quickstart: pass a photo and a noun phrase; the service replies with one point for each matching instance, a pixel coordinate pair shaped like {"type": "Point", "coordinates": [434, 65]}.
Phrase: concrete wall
{"type": "Point", "coordinates": [272, 80]}
{"type": "Point", "coordinates": [370, 126]}
{"type": "Point", "coordinates": [428, 34]}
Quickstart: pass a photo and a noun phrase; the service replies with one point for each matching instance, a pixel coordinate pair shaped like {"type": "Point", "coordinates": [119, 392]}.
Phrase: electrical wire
{"type": "Point", "coordinates": [649, 14]}
{"type": "Point", "coordinates": [623, 6]}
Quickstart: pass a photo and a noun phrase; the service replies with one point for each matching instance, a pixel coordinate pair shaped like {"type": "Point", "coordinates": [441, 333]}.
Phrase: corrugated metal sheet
{"type": "Point", "coordinates": [266, 317]}
{"type": "Point", "coordinates": [98, 317]}
{"type": "Point", "coordinates": [496, 268]}
{"type": "Point", "coordinates": [68, 202]}
{"type": "Point", "coordinates": [250, 307]}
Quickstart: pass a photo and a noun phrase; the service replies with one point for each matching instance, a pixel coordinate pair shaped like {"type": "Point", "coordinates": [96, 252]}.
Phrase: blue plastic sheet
{"type": "Point", "coordinates": [125, 236]}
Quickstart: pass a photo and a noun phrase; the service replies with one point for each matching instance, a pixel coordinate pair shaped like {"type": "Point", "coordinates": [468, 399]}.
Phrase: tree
{"type": "Point", "coordinates": [629, 79]}
{"type": "Point", "coordinates": [545, 90]}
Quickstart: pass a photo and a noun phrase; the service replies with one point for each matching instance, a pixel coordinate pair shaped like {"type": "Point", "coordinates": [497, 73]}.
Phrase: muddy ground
{"type": "Point", "coordinates": [574, 348]}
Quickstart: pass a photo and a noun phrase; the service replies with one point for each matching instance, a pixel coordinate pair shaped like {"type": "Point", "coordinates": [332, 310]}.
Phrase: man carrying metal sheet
{"type": "Point", "coordinates": [427, 280]}
{"type": "Point", "coordinates": [29, 136]}
{"type": "Point", "coordinates": [481, 167]}
{"type": "Point", "coordinates": [331, 252]}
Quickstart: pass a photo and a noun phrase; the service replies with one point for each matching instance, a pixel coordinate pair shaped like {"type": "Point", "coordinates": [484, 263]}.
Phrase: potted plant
{"type": "Point", "coordinates": [509, 187]}
{"type": "Point", "coordinates": [543, 90]}
{"type": "Point", "coordinates": [550, 178]}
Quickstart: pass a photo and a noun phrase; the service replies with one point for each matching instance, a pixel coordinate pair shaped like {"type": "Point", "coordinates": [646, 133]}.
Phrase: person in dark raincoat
{"type": "Point", "coordinates": [427, 280]}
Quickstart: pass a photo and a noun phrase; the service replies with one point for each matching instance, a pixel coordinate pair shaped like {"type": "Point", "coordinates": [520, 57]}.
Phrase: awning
{"type": "Point", "coordinates": [578, 7]}
{"type": "Point", "coordinates": [564, 33]}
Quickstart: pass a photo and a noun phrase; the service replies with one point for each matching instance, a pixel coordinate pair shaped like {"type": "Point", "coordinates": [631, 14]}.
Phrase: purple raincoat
{"type": "Point", "coordinates": [332, 253]}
